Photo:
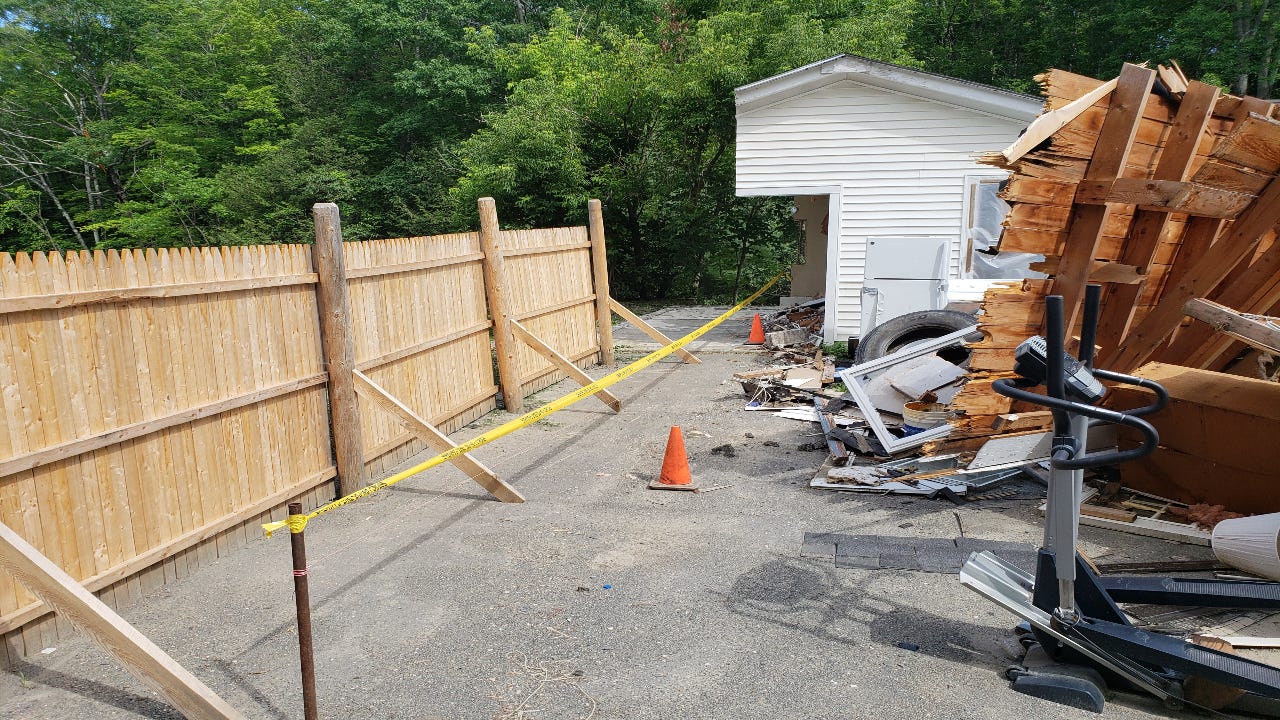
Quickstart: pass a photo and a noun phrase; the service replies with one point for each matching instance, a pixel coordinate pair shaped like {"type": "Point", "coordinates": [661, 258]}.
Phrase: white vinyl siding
{"type": "Point", "coordinates": [899, 161]}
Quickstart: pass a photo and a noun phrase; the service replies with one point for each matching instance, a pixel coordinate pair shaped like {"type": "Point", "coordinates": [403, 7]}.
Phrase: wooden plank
{"type": "Point", "coordinates": [565, 365]}
{"type": "Point", "coordinates": [547, 310]}
{"type": "Point", "coordinates": [126, 294]}
{"type": "Point", "coordinates": [1045, 126]}
{"type": "Point", "coordinates": [401, 354]}
{"type": "Point", "coordinates": [546, 249]}
{"type": "Point", "coordinates": [1115, 140]}
{"type": "Point", "coordinates": [1120, 302]}
{"type": "Point", "coordinates": [600, 278]}
{"type": "Point", "coordinates": [497, 291]}
{"type": "Point", "coordinates": [1237, 246]}
{"type": "Point", "coordinates": [1253, 143]}
{"type": "Point", "coordinates": [144, 560]}
{"type": "Point", "coordinates": [132, 431]}
{"type": "Point", "coordinates": [649, 330]}
{"type": "Point", "coordinates": [131, 648]}
{"type": "Point", "coordinates": [1110, 513]}
{"type": "Point", "coordinates": [437, 440]}
{"type": "Point", "coordinates": [339, 350]}
{"type": "Point", "coordinates": [1258, 332]}
{"type": "Point", "coordinates": [365, 272]}
{"type": "Point", "coordinates": [1010, 422]}
{"type": "Point", "coordinates": [1165, 196]}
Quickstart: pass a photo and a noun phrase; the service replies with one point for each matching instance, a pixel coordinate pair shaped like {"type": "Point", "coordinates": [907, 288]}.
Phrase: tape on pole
{"type": "Point", "coordinates": [529, 418]}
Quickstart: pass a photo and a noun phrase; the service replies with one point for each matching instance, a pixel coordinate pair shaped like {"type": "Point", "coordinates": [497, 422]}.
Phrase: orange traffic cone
{"type": "Point", "coordinates": [757, 332]}
{"type": "Point", "coordinates": [675, 465]}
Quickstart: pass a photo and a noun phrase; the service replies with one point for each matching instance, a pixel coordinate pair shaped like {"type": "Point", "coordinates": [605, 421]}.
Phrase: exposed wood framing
{"type": "Point", "coordinates": [1120, 302]}
{"type": "Point", "coordinates": [97, 297]}
{"type": "Point", "coordinates": [1165, 194]}
{"type": "Point", "coordinates": [1115, 140]}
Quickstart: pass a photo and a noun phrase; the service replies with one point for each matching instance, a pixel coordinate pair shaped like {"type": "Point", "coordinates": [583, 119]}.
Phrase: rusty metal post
{"type": "Point", "coordinates": [302, 598]}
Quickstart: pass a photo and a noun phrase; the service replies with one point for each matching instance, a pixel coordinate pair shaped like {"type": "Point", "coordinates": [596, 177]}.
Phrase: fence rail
{"type": "Point", "coordinates": [159, 404]}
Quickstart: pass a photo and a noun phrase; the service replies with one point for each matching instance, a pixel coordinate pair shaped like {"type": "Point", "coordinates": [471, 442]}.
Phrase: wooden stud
{"type": "Point", "coordinates": [649, 330]}
{"type": "Point", "coordinates": [1110, 156]}
{"type": "Point", "coordinates": [339, 349]}
{"type": "Point", "coordinates": [600, 272]}
{"type": "Point", "coordinates": [1120, 301]}
{"type": "Point", "coordinates": [131, 648]}
{"type": "Point", "coordinates": [437, 440]}
{"type": "Point", "coordinates": [564, 364]}
{"type": "Point", "coordinates": [498, 292]}
{"type": "Point", "coordinates": [1237, 246]}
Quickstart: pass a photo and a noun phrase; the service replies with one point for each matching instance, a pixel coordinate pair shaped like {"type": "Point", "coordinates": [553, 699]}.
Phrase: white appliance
{"type": "Point", "coordinates": [903, 275]}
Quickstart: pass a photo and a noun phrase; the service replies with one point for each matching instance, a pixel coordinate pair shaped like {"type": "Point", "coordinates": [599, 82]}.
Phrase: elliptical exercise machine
{"type": "Point", "coordinates": [1084, 638]}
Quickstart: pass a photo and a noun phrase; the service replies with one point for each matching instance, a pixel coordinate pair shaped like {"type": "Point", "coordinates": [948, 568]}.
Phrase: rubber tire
{"type": "Point", "coordinates": [922, 325]}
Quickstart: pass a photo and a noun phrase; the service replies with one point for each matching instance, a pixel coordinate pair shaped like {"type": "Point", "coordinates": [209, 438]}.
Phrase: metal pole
{"type": "Point", "coordinates": [302, 598]}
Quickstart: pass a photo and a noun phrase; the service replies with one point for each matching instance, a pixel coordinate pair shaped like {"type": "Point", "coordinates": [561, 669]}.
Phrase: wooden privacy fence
{"type": "Point", "coordinates": [160, 404]}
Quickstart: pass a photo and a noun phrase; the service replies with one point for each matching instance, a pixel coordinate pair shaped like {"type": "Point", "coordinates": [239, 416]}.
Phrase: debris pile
{"type": "Point", "coordinates": [798, 327]}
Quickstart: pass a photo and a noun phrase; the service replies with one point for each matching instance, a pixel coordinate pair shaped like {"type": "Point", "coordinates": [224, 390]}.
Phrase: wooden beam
{"type": "Point", "coordinates": [649, 330]}
{"type": "Point", "coordinates": [565, 305]}
{"type": "Point", "coordinates": [1236, 246]}
{"type": "Point", "coordinates": [339, 347]}
{"type": "Point", "coordinates": [564, 364]}
{"type": "Point", "coordinates": [98, 297]}
{"type": "Point", "coordinates": [1115, 140]}
{"type": "Point", "coordinates": [131, 648]}
{"type": "Point", "coordinates": [1259, 332]}
{"type": "Point", "coordinates": [414, 266]}
{"type": "Point", "coordinates": [437, 440]}
{"type": "Point", "coordinates": [546, 249]}
{"type": "Point", "coordinates": [497, 290]}
{"type": "Point", "coordinates": [600, 275]}
{"type": "Point", "coordinates": [1044, 127]}
{"type": "Point", "coordinates": [1254, 290]}
{"type": "Point", "coordinates": [72, 448]}
{"type": "Point", "coordinates": [396, 355]}
{"type": "Point", "coordinates": [1120, 301]}
{"type": "Point", "coordinates": [1164, 196]}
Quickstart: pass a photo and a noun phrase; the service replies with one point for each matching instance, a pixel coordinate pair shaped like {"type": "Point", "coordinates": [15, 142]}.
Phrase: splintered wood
{"type": "Point", "coordinates": [1163, 190]}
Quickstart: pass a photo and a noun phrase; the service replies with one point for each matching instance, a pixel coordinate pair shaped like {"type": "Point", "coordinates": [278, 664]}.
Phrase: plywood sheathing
{"type": "Point", "coordinates": [1180, 169]}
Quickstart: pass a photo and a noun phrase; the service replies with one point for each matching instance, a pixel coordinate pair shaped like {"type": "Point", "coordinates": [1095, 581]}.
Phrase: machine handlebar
{"type": "Point", "coordinates": [1069, 459]}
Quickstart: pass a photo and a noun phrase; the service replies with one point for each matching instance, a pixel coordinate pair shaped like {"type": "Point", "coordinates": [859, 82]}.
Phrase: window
{"type": "Point", "coordinates": [984, 226]}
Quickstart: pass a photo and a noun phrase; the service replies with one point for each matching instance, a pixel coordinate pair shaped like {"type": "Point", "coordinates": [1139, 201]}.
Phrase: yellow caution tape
{"type": "Point", "coordinates": [296, 523]}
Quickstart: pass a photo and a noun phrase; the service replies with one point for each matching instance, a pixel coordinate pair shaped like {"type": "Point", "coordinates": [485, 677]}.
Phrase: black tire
{"type": "Point", "coordinates": [894, 334]}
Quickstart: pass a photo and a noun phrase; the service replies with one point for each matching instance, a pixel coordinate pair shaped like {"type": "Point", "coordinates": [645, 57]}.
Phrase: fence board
{"type": "Point", "coordinates": [550, 281]}
{"type": "Point", "coordinates": [160, 404]}
{"type": "Point", "coordinates": [153, 399]}
{"type": "Point", "coordinates": [420, 321]}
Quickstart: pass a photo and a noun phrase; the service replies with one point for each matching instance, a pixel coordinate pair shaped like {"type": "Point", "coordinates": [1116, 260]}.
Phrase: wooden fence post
{"type": "Point", "coordinates": [495, 286]}
{"type": "Point", "coordinates": [339, 347]}
{"type": "Point", "coordinates": [600, 270]}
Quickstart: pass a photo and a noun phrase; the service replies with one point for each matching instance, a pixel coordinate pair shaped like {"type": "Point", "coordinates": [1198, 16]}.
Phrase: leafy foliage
{"type": "Point", "coordinates": [172, 122]}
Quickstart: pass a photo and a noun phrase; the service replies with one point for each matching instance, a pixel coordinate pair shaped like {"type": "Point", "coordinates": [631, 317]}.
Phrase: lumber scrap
{"type": "Point", "coordinates": [138, 654]}
{"type": "Point", "coordinates": [650, 330]}
{"type": "Point", "coordinates": [1258, 331]}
